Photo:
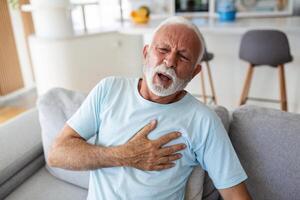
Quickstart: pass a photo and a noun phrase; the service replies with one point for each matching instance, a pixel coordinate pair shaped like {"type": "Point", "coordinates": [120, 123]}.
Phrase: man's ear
{"type": "Point", "coordinates": [145, 51]}
{"type": "Point", "coordinates": [197, 69]}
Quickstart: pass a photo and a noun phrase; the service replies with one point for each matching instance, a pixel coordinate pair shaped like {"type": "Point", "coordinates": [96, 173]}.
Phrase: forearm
{"type": "Point", "coordinates": [71, 151]}
{"type": "Point", "coordinates": [77, 154]}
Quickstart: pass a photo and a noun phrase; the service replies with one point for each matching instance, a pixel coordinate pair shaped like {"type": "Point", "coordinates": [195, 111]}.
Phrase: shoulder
{"type": "Point", "coordinates": [204, 119]}
{"type": "Point", "coordinates": [112, 82]}
{"type": "Point", "coordinates": [200, 110]}
{"type": "Point", "coordinates": [115, 81]}
{"type": "Point", "coordinates": [112, 86]}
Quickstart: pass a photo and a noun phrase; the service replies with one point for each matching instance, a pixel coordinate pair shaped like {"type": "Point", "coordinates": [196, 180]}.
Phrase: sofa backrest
{"type": "Point", "coordinates": [267, 142]}
{"type": "Point", "coordinates": [58, 105]}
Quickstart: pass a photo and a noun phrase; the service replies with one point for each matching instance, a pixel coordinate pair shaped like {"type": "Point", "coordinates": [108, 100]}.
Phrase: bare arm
{"type": "Point", "coordinates": [238, 192]}
{"type": "Point", "coordinates": [71, 151]}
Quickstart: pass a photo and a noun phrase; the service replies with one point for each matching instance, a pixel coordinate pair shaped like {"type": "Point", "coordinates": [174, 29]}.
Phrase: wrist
{"type": "Point", "coordinates": [117, 156]}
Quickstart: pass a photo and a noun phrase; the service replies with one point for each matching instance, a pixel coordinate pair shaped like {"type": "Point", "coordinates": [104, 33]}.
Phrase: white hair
{"type": "Point", "coordinates": [182, 21]}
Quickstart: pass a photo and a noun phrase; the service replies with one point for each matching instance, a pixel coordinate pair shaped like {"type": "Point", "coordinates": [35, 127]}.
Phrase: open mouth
{"type": "Point", "coordinates": [164, 77]}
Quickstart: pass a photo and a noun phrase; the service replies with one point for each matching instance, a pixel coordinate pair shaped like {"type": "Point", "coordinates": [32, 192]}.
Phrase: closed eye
{"type": "Point", "coordinates": [184, 58]}
{"type": "Point", "coordinates": [163, 50]}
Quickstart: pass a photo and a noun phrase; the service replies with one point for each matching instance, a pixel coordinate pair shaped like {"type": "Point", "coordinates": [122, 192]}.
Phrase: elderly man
{"type": "Point", "coordinates": [150, 132]}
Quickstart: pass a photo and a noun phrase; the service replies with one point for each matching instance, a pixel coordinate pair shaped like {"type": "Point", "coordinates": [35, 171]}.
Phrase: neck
{"type": "Point", "coordinates": [148, 95]}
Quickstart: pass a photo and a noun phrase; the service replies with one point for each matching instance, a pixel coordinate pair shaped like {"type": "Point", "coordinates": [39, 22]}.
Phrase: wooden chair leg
{"type": "Point", "coordinates": [246, 86]}
{"type": "Point", "coordinates": [283, 98]}
{"type": "Point", "coordinates": [214, 98]}
{"type": "Point", "coordinates": [203, 86]}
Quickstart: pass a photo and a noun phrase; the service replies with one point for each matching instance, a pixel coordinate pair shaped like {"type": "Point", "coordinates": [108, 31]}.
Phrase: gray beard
{"type": "Point", "coordinates": [158, 89]}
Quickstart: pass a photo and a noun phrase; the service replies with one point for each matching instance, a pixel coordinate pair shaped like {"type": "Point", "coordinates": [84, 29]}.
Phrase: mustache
{"type": "Point", "coordinates": [167, 71]}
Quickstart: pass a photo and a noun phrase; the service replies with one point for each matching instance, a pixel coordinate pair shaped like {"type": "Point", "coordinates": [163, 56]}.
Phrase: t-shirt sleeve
{"type": "Point", "coordinates": [218, 157]}
{"type": "Point", "coordinates": [86, 120]}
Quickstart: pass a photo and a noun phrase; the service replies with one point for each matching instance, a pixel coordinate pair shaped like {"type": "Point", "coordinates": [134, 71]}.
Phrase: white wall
{"type": "Point", "coordinates": [79, 63]}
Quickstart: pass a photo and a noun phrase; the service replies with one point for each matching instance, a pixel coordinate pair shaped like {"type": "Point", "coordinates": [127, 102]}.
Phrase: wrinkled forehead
{"type": "Point", "coordinates": [178, 31]}
{"type": "Point", "coordinates": [178, 34]}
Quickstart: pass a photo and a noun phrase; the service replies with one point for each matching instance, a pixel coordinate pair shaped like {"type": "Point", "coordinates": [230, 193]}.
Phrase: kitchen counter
{"type": "Point", "coordinates": [239, 26]}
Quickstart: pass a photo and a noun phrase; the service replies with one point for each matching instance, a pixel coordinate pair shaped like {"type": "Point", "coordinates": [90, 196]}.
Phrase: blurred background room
{"type": "Point", "coordinates": [74, 44]}
{"type": "Point", "coordinates": [252, 57]}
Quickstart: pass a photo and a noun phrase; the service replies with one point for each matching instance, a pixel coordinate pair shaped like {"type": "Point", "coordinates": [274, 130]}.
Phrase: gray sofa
{"type": "Point", "coordinates": [266, 141]}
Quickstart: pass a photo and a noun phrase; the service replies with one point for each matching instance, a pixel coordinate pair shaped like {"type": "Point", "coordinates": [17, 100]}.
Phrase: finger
{"type": "Point", "coordinates": [167, 138]}
{"type": "Point", "coordinates": [148, 128]}
{"type": "Point", "coordinates": [143, 132]}
{"type": "Point", "coordinates": [166, 151]}
{"type": "Point", "coordinates": [168, 159]}
{"type": "Point", "coordinates": [163, 166]}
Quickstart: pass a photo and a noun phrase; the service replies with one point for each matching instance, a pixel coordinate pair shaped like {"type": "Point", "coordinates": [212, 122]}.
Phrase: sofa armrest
{"type": "Point", "coordinates": [20, 144]}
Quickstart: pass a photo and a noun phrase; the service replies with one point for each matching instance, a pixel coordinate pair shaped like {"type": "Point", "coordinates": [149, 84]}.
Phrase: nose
{"type": "Point", "coordinates": [170, 60]}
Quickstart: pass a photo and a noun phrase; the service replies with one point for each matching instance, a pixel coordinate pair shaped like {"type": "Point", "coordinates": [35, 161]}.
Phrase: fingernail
{"type": "Point", "coordinates": [152, 122]}
{"type": "Point", "coordinates": [183, 146]}
{"type": "Point", "coordinates": [178, 134]}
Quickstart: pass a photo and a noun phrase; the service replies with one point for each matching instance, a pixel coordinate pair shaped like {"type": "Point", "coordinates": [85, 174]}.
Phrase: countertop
{"type": "Point", "coordinates": [239, 26]}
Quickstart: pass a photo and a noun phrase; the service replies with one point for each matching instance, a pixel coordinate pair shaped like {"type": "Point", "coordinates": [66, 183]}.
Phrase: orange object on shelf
{"type": "Point", "coordinates": [140, 16]}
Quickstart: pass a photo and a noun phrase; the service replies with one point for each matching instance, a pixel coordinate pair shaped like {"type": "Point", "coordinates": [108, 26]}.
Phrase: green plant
{"type": "Point", "coordinates": [14, 3]}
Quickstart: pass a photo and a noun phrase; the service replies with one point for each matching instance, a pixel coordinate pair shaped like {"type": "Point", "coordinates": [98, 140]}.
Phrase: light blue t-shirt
{"type": "Point", "coordinates": [114, 111]}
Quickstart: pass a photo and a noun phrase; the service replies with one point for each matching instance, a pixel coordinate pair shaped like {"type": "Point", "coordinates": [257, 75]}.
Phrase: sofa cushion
{"type": "Point", "coordinates": [20, 144]}
{"type": "Point", "coordinates": [193, 188]}
{"type": "Point", "coordinates": [267, 142]}
{"type": "Point", "coordinates": [55, 108]}
{"type": "Point", "coordinates": [43, 185]}
{"type": "Point", "coordinates": [58, 104]}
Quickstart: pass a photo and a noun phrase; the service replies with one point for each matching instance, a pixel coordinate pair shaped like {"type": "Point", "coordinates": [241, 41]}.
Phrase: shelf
{"type": "Point", "coordinates": [213, 14]}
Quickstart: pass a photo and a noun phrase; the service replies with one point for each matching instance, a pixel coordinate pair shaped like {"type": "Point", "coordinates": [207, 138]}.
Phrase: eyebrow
{"type": "Point", "coordinates": [162, 44]}
{"type": "Point", "coordinates": [180, 51]}
{"type": "Point", "coordinates": [184, 51]}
